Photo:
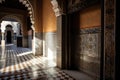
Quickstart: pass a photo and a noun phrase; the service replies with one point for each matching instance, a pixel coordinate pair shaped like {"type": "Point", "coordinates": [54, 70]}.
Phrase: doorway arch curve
{"type": "Point", "coordinates": [30, 9]}
{"type": "Point", "coordinates": [9, 34]}
{"type": "Point", "coordinates": [29, 6]}
{"type": "Point", "coordinates": [12, 17]}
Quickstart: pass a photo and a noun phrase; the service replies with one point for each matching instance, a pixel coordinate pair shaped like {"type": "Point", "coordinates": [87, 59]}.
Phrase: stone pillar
{"type": "Point", "coordinates": [38, 43]}
{"type": "Point", "coordinates": [2, 35]}
{"type": "Point", "coordinates": [59, 42]}
{"type": "Point", "coordinates": [37, 34]}
{"type": "Point", "coordinates": [3, 39]}
{"type": "Point", "coordinates": [33, 42]}
{"type": "Point", "coordinates": [25, 41]}
{"type": "Point", "coordinates": [25, 33]}
{"type": "Point", "coordinates": [2, 56]}
{"type": "Point", "coordinates": [30, 39]}
{"type": "Point", "coordinates": [62, 57]}
{"type": "Point", "coordinates": [109, 40]}
{"type": "Point", "coordinates": [14, 39]}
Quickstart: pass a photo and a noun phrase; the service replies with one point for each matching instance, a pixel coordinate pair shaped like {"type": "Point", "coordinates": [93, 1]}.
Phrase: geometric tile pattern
{"type": "Point", "coordinates": [38, 75]}
{"type": "Point", "coordinates": [21, 64]}
{"type": "Point", "coordinates": [90, 44]}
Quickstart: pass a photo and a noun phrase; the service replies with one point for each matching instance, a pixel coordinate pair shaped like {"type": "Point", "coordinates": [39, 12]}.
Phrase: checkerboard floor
{"type": "Point", "coordinates": [21, 64]}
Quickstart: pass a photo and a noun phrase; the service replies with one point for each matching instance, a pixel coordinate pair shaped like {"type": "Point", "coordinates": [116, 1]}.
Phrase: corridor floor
{"type": "Point", "coordinates": [21, 64]}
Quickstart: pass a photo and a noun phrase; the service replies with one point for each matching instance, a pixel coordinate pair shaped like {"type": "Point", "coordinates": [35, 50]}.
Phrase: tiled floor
{"type": "Point", "coordinates": [21, 64]}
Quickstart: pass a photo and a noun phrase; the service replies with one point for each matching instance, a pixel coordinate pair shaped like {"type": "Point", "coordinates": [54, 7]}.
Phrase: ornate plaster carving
{"type": "Point", "coordinates": [56, 8]}
{"type": "Point", "coordinates": [30, 9]}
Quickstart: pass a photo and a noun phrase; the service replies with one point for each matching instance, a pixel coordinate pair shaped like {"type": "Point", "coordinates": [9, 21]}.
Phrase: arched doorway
{"type": "Point", "coordinates": [9, 37]}
{"type": "Point", "coordinates": [9, 34]}
{"type": "Point", "coordinates": [24, 10]}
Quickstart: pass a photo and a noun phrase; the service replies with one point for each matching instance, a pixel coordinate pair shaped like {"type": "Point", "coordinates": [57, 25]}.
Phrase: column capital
{"type": "Point", "coordinates": [58, 11]}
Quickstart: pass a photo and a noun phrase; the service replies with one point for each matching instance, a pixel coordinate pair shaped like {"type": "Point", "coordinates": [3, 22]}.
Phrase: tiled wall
{"type": "Point", "coordinates": [90, 36]}
{"type": "Point", "coordinates": [87, 40]}
{"type": "Point", "coordinates": [89, 51]}
{"type": "Point", "coordinates": [49, 45]}
{"type": "Point", "coordinates": [49, 30]}
{"type": "Point", "coordinates": [38, 43]}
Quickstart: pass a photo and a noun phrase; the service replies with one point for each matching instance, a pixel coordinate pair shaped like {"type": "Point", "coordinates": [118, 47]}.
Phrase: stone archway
{"type": "Point", "coordinates": [27, 4]}
{"type": "Point", "coordinates": [9, 29]}
{"type": "Point", "coordinates": [30, 9]}
{"type": "Point", "coordinates": [12, 17]}
{"type": "Point", "coordinates": [9, 34]}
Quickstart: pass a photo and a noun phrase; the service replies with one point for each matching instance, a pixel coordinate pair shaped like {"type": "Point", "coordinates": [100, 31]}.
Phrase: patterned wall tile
{"type": "Point", "coordinates": [89, 43]}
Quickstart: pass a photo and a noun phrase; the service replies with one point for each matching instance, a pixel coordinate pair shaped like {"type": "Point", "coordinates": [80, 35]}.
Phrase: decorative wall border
{"type": "Point", "coordinates": [90, 30]}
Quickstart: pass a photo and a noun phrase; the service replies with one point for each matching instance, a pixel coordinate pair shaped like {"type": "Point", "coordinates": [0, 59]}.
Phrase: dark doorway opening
{"type": "Point", "coordinates": [9, 37]}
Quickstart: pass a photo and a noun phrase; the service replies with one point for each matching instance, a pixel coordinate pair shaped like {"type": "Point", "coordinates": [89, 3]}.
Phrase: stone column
{"type": "Point", "coordinates": [61, 42]}
{"type": "Point", "coordinates": [14, 38]}
{"type": "Point", "coordinates": [37, 34]}
{"type": "Point", "coordinates": [30, 39]}
{"type": "Point", "coordinates": [62, 57]}
{"type": "Point", "coordinates": [3, 39]}
{"type": "Point", "coordinates": [2, 57]}
{"type": "Point", "coordinates": [2, 34]}
{"type": "Point", "coordinates": [38, 38]}
{"type": "Point", "coordinates": [25, 41]}
{"type": "Point", "coordinates": [109, 40]}
{"type": "Point", "coordinates": [33, 42]}
{"type": "Point", "coordinates": [25, 33]}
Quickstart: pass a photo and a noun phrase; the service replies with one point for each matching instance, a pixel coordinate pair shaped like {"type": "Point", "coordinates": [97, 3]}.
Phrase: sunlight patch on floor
{"type": "Point", "coordinates": [25, 53]}
{"type": "Point", "coordinates": [32, 63]}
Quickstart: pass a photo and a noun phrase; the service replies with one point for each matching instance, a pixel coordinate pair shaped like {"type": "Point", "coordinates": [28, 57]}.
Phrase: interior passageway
{"type": "Point", "coordinates": [17, 63]}
{"type": "Point", "coordinates": [58, 40]}
{"type": "Point", "coordinates": [20, 63]}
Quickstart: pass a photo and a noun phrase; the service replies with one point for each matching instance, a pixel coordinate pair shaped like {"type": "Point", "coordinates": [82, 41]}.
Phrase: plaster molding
{"type": "Point", "coordinates": [30, 9]}
{"type": "Point", "coordinates": [56, 8]}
